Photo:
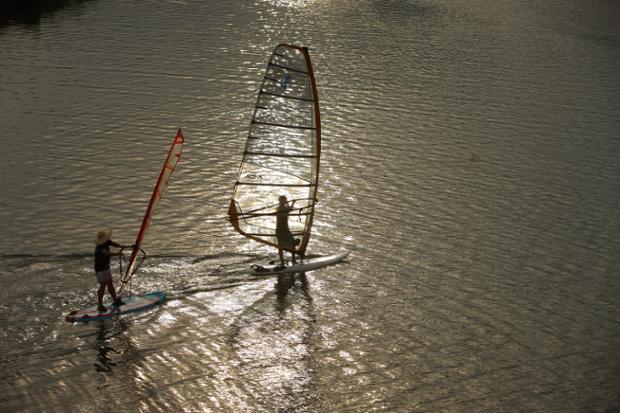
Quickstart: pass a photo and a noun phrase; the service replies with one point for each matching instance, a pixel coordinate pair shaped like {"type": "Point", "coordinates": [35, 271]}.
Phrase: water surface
{"type": "Point", "coordinates": [469, 161]}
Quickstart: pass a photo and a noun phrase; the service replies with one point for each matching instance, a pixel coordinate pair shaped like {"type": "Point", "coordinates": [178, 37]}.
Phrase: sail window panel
{"type": "Point", "coordinates": [293, 154]}
{"type": "Point", "coordinates": [281, 81]}
{"type": "Point", "coordinates": [263, 199]}
{"type": "Point", "coordinates": [281, 103]}
{"type": "Point", "coordinates": [290, 171]}
{"type": "Point", "coordinates": [290, 57]}
{"type": "Point", "coordinates": [284, 112]}
{"type": "Point", "coordinates": [264, 138]}
{"type": "Point", "coordinates": [287, 50]}
{"type": "Point", "coordinates": [273, 133]}
{"type": "Point", "coordinates": [257, 205]}
{"type": "Point", "coordinates": [289, 84]}
{"type": "Point", "coordinates": [258, 226]}
{"type": "Point", "coordinates": [291, 66]}
{"type": "Point", "coordinates": [286, 145]}
{"type": "Point", "coordinates": [291, 89]}
{"type": "Point", "coordinates": [269, 170]}
{"type": "Point", "coordinates": [257, 210]}
{"type": "Point", "coordinates": [262, 171]}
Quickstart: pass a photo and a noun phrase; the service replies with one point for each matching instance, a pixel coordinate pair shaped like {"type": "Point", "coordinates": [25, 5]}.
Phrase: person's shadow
{"type": "Point", "coordinates": [108, 331]}
{"type": "Point", "coordinates": [285, 283]}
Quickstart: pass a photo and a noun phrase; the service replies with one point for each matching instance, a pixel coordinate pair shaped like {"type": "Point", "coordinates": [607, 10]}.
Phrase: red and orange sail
{"type": "Point", "coordinates": [174, 154]}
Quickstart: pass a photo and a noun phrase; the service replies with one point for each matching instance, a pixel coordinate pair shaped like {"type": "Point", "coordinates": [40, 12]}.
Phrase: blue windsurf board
{"type": "Point", "coordinates": [132, 304]}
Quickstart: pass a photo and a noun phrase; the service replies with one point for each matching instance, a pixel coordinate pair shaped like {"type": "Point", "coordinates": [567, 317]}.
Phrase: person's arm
{"type": "Point", "coordinates": [111, 254]}
{"type": "Point", "coordinates": [117, 245]}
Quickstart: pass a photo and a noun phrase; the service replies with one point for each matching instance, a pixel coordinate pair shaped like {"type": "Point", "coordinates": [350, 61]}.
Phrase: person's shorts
{"type": "Point", "coordinates": [286, 240]}
{"type": "Point", "coordinates": [104, 276]}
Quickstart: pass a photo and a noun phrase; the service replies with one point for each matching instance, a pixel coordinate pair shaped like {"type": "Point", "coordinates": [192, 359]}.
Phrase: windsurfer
{"type": "Point", "coordinates": [102, 267]}
{"type": "Point", "coordinates": [286, 241]}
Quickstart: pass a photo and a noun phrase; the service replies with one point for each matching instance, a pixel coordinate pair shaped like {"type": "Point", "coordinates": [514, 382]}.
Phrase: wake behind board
{"type": "Point", "coordinates": [306, 265]}
{"type": "Point", "coordinates": [133, 303]}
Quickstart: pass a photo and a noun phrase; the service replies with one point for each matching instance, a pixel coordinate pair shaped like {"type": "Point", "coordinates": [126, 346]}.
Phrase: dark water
{"type": "Point", "coordinates": [470, 162]}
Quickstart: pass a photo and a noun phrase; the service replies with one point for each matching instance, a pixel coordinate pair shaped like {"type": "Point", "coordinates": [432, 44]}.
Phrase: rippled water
{"type": "Point", "coordinates": [470, 162]}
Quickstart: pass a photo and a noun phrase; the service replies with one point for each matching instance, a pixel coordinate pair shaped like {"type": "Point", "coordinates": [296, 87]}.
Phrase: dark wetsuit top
{"type": "Point", "coordinates": [282, 218]}
{"type": "Point", "coordinates": [102, 261]}
{"type": "Point", "coordinates": [283, 233]}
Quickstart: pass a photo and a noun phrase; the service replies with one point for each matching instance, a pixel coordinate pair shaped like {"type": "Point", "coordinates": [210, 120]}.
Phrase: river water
{"type": "Point", "coordinates": [469, 162]}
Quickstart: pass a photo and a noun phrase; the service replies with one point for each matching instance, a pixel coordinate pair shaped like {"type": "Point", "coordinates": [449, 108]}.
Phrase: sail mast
{"type": "Point", "coordinates": [317, 116]}
{"type": "Point", "coordinates": [282, 151]}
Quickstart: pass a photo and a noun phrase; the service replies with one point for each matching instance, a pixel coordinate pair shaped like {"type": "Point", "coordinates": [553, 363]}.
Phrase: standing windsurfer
{"type": "Point", "coordinates": [286, 241]}
{"type": "Point", "coordinates": [102, 267]}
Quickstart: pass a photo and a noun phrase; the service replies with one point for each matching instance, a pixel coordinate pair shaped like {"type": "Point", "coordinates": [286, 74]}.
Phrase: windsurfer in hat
{"type": "Point", "coordinates": [102, 267]}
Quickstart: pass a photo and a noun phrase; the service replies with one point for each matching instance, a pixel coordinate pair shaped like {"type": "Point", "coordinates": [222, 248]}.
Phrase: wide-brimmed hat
{"type": "Point", "coordinates": [103, 236]}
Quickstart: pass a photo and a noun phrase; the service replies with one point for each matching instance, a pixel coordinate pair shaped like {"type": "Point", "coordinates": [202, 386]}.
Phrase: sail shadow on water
{"type": "Point", "coordinates": [273, 340]}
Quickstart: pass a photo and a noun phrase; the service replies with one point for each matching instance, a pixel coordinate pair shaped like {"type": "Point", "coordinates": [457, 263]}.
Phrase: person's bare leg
{"type": "Point", "coordinates": [112, 290]}
{"type": "Point", "coordinates": [100, 293]}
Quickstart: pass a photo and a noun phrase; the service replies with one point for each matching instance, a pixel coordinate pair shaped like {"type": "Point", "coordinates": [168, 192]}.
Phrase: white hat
{"type": "Point", "coordinates": [103, 236]}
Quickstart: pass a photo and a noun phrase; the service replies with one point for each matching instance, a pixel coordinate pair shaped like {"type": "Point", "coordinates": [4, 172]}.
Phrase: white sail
{"type": "Point", "coordinates": [282, 151]}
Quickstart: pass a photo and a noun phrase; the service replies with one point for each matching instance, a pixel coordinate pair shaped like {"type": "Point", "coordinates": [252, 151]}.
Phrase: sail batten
{"type": "Point", "coordinates": [280, 125]}
{"type": "Point", "coordinates": [282, 185]}
{"type": "Point", "coordinates": [282, 151]}
{"type": "Point", "coordinates": [284, 97]}
{"type": "Point", "coordinates": [288, 68]}
{"type": "Point", "coordinates": [281, 155]}
{"type": "Point", "coordinates": [248, 215]}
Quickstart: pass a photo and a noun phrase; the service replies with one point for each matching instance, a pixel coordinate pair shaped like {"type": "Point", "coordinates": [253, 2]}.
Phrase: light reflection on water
{"type": "Point", "coordinates": [469, 160]}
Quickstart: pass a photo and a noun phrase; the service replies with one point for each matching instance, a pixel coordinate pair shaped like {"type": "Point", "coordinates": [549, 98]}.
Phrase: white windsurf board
{"type": "Point", "coordinates": [306, 265]}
